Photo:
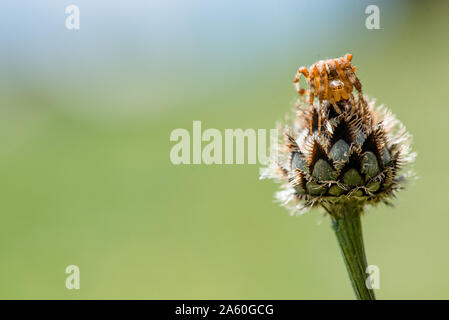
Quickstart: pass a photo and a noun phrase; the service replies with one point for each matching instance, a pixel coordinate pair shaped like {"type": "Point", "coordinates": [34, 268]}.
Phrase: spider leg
{"type": "Point", "coordinates": [348, 86]}
{"type": "Point", "coordinates": [350, 74]}
{"type": "Point", "coordinates": [319, 120]}
{"type": "Point", "coordinates": [337, 95]}
{"type": "Point", "coordinates": [326, 84]}
{"type": "Point", "coordinates": [323, 82]}
{"type": "Point", "coordinates": [311, 119]}
{"type": "Point", "coordinates": [311, 98]}
{"type": "Point", "coordinates": [314, 83]}
{"type": "Point", "coordinates": [336, 107]}
{"type": "Point", "coordinates": [301, 71]}
{"type": "Point", "coordinates": [317, 86]}
{"type": "Point", "coordinates": [351, 96]}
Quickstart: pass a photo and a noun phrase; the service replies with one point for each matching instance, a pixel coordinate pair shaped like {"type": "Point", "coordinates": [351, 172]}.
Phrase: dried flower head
{"type": "Point", "coordinates": [339, 149]}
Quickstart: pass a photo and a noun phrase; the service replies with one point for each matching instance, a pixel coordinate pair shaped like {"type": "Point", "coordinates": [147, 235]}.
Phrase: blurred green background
{"type": "Point", "coordinates": [86, 177]}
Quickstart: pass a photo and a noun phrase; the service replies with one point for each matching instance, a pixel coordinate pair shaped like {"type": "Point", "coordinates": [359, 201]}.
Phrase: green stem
{"type": "Point", "coordinates": [348, 229]}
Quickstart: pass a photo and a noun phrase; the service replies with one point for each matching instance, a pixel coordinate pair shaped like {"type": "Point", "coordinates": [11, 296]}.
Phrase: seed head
{"type": "Point", "coordinates": [338, 151]}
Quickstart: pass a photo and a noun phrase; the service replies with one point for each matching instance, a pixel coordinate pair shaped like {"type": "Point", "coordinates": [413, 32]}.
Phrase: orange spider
{"type": "Point", "coordinates": [332, 80]}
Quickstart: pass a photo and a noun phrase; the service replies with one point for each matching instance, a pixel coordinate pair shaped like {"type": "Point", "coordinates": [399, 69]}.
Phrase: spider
{"type": "Point", "coordinates": [332, 80]}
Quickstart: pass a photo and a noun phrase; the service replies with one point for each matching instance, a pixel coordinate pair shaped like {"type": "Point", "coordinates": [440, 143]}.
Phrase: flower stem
{"type": "Point", "coordinates": [348, 229]}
